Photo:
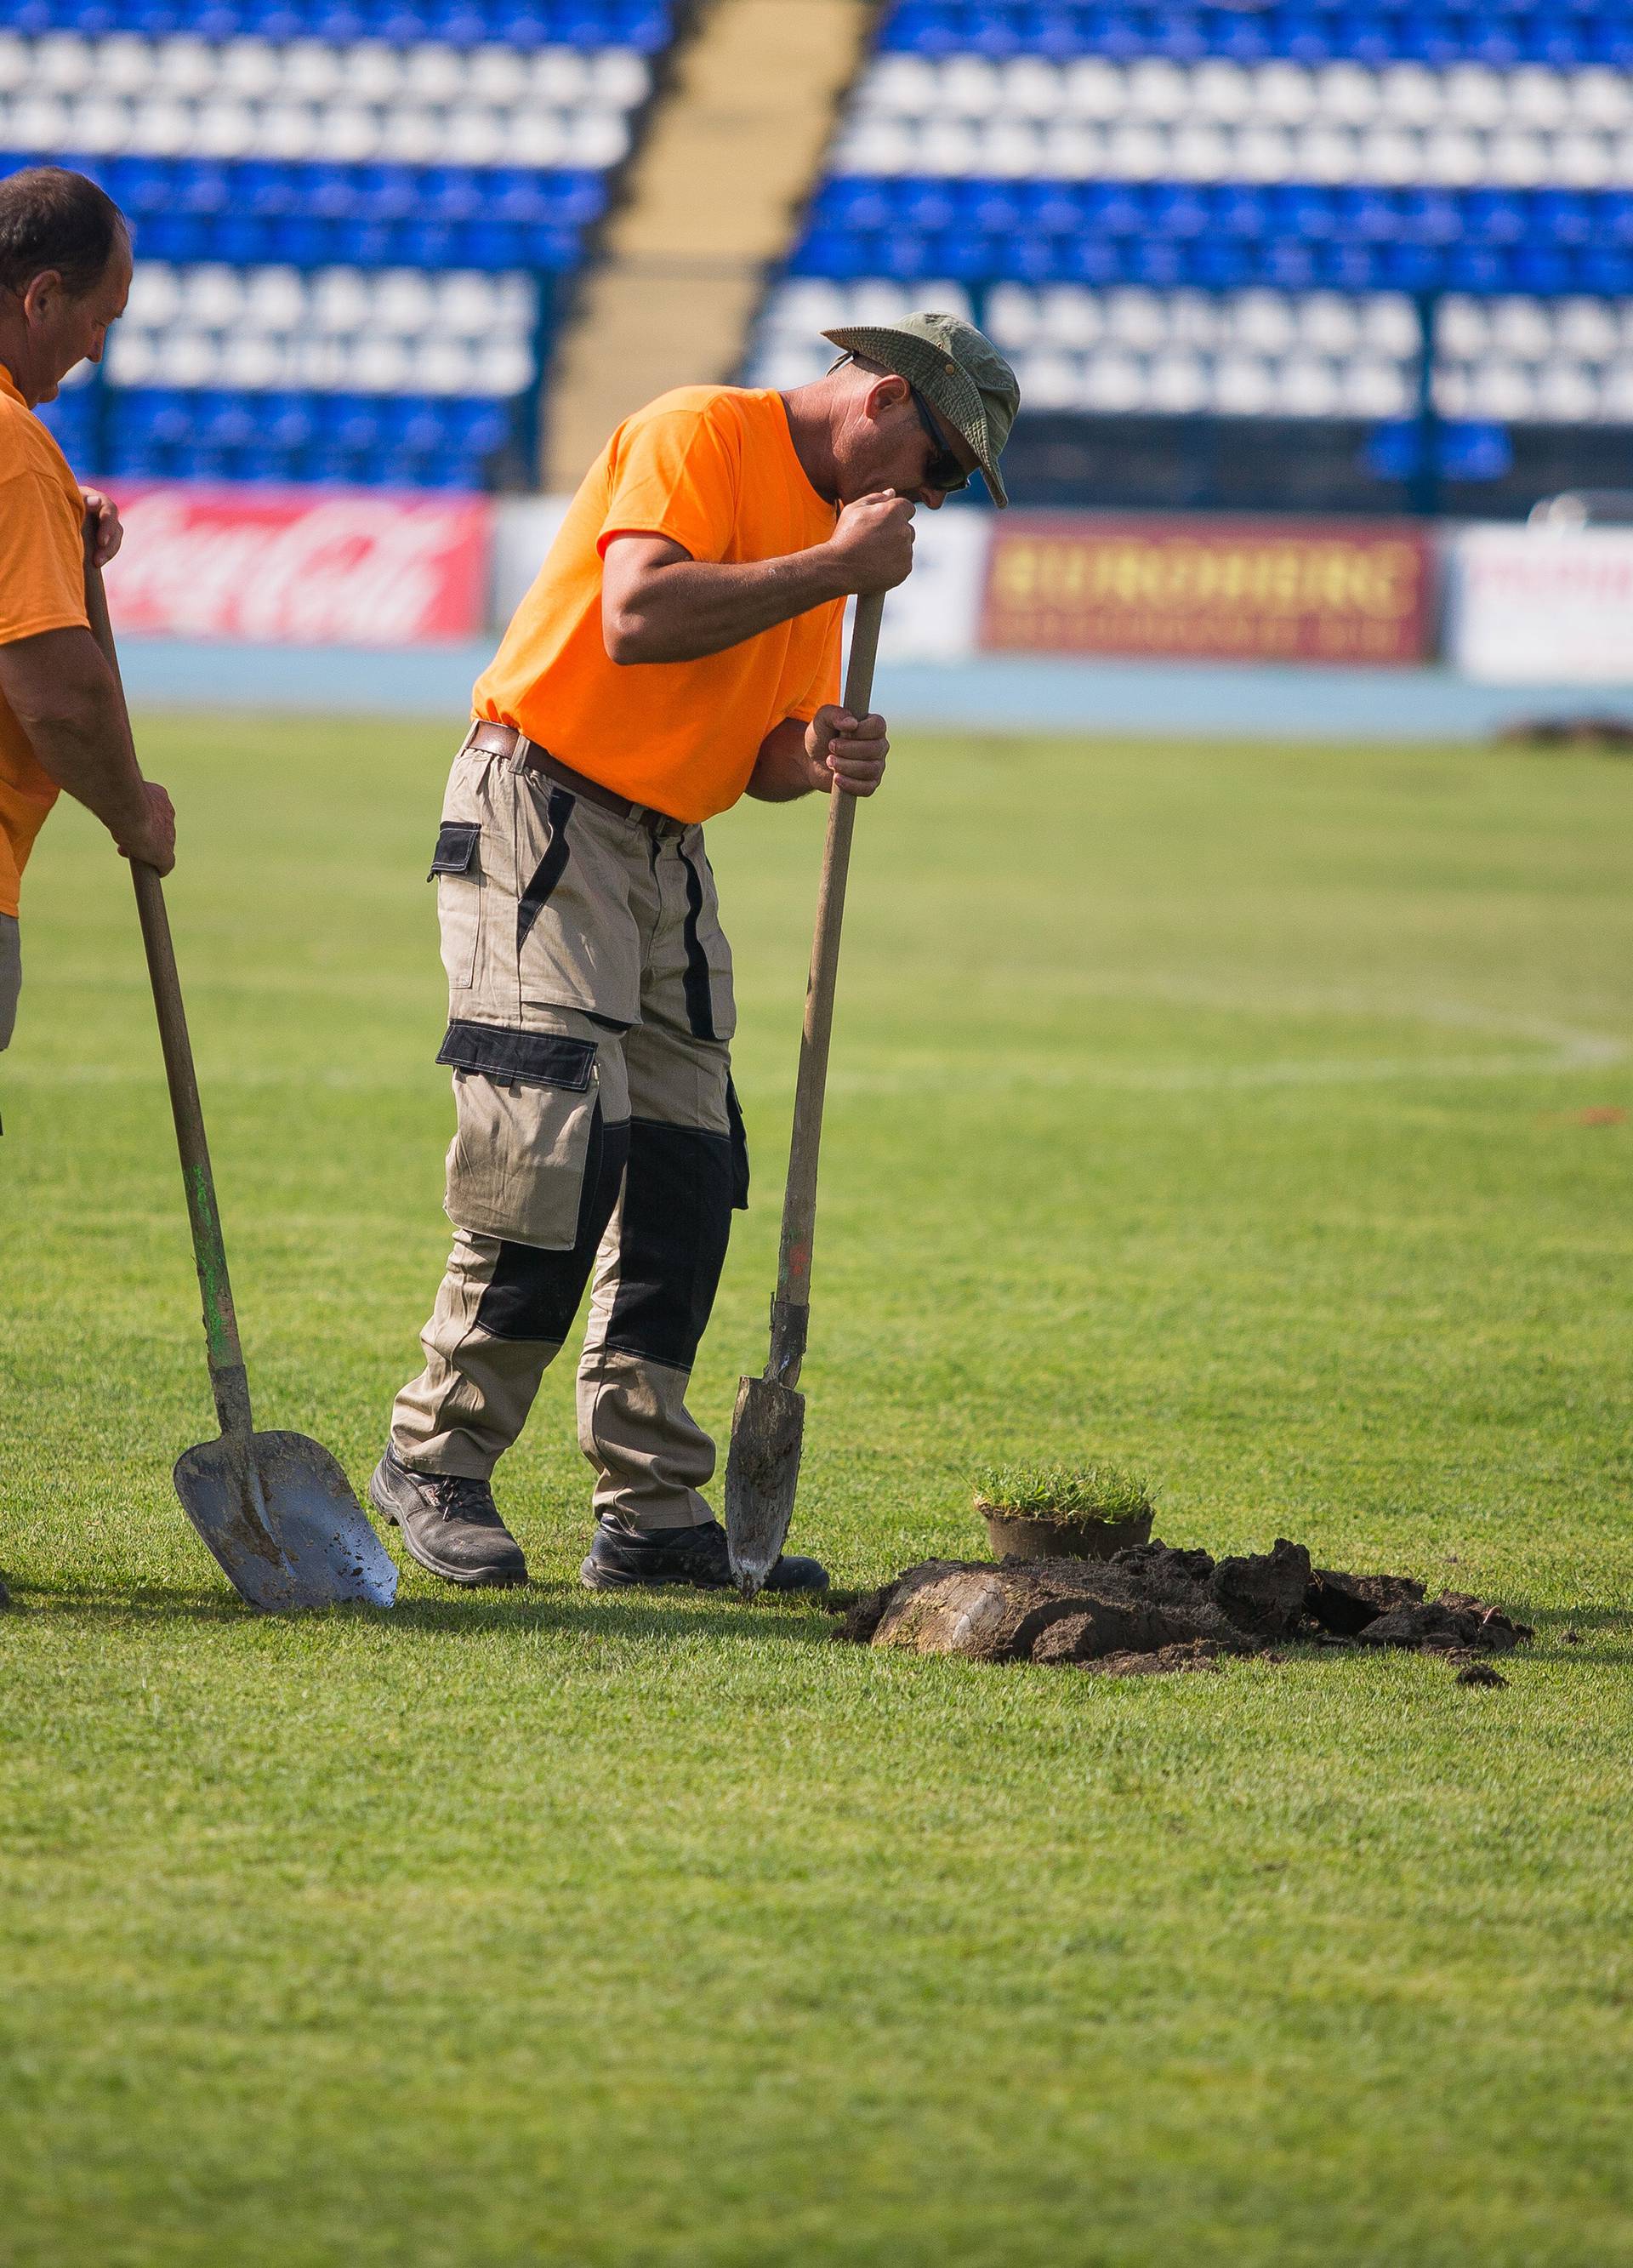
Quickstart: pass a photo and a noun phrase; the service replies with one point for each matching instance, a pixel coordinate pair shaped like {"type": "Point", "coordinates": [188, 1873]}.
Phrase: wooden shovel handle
{"type": "Point", "coordinates": [791, 1309]}
{"type": "Point", "coordinates": [227, 1378]}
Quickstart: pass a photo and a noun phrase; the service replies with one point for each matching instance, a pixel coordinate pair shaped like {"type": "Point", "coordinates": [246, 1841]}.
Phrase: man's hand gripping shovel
{"type": "Point", "coordinates": [768, 1422]}
{"type": "Point", "coordinates": [275, 1509]}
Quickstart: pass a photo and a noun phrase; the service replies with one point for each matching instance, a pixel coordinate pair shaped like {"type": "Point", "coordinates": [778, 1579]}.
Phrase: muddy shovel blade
{"type": "Point", "coordinates": [284, 1523]}
{"type": "Point", "coordinates": [761, 1474]}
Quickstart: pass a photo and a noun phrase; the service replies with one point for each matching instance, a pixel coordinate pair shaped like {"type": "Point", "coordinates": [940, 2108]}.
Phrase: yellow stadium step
{"type": "Point", "coordinates": [729, 156]}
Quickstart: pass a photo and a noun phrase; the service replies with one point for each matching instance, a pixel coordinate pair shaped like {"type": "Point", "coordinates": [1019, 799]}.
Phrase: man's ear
{"type": "Point", "coordinates": [42, 289]}
{"type": "Point", "coordinates": [886, 393]}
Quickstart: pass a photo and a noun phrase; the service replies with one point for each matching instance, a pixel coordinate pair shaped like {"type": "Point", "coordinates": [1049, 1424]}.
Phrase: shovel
{"type": "Point", "coordinates": [768, 1422]}
{"type": "Point", "coordinates": [275, 1508]}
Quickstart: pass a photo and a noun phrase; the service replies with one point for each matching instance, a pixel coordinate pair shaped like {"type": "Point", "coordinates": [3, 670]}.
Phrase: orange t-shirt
{"type": "Point", "coordinates": [41, 588]}
{"type": "Point", "coordinates": [713, 468]}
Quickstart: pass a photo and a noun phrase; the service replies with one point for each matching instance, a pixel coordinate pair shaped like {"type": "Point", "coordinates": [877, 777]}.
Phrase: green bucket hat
{"type": "Point", "coordinates": [960, 372]}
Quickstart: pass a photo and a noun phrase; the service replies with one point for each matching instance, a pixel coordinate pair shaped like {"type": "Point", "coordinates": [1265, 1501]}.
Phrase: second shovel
{"type": "Point", "coordinates": [768, 1422]}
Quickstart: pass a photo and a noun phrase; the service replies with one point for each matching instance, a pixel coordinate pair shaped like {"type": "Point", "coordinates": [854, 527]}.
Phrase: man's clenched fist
{"type": "Point", "coordinates": [872, 544]}
{"type": "Point", "coordinates": [846, 752]}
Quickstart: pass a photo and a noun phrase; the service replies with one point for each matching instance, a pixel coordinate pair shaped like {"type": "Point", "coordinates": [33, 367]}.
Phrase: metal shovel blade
{"type": "Point", "coordinates": [284, 1523]}
{"type": "Point", "coordinates": [761, 1474]}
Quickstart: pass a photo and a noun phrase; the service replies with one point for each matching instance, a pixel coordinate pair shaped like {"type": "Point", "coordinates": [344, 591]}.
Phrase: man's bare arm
{"type": "Point", "coordinates": [659, 604]}
{"type": "Point", "coordinates": [836, 750]}
{"type": "Point", "coordinates": [63, 694]}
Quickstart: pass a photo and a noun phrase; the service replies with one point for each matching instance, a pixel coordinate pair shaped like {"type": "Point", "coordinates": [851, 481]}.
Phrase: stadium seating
{"type": "Point", "coordinates": [1244, 212]}
{"type": "Point", "coordinates": [352, 221]}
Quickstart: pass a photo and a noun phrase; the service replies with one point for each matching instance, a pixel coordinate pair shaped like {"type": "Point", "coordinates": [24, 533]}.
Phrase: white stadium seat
{"type": "Point", "coordinates": [249, 69]}
{"type": "Point", "coordinates": [1032, 88]}
{"type": "Point", "coordinates": [275, 298]}
{"type": "Point", "coordinates": [1264, 321]}
{"type": "Point", "coordinates": [63, 63]}
{"type": "Point", "coordinates": [1586, 328]}
{"type": "Point", "coordinates": [1475, 96]}
{"type": "Point", "coordinates": [1310, 387]}
{"type": "Point", "coordinates": [1463, 330]}
{"type": "Point", "coordinates": [1178, 385]}
{"type": "Point", "coordinates": [313, 72]}
{"type": "Point", "coordinates": [1222, 92]}
{"type": "Point", "coordinates": [1538, 97]}
{"type": "Point", "coordinates": [1242, 385]}
{"type": "Point", "coordinates": [1095, 90]}
{"type": "Point", "coordinates": [1287, 94]}
{"type": "Point", "coordinates": [1135, 319]}
{"type": "Point", "coordinates": [1157, 90]}
{"type": "Point", "coordinates": [1522, 328]}
{"type": "Point", "coordinates": [1072, 151]}
{"type": "Point", "coordinates": [1567, 394]}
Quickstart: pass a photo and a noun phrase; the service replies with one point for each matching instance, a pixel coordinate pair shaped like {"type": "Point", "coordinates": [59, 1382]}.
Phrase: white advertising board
{"type": "Point", "coordinates": [524, 528]}
{"type": "Point", "coordinates": [1541, 607]}
{"type": "Point", "coordinates": [932, 616]}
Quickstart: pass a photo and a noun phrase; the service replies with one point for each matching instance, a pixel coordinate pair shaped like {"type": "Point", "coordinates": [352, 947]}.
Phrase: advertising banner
{"type": "Point", "coordinates": [1208, 589]}
{"type": "Point", "coordinates": [300, 566]}
{"type": "Point", "coordinates": [936, 614]}
{"type": "Point", "coordinates": [1543, 606]}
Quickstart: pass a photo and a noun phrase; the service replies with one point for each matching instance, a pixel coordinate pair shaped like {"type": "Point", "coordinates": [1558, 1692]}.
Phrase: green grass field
{"type": "Point", "coordinates": [1248, 1118]}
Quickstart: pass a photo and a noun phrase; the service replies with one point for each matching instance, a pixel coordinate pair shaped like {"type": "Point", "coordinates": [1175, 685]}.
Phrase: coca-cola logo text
{"type": "Point", "coordinates": [300, 568]}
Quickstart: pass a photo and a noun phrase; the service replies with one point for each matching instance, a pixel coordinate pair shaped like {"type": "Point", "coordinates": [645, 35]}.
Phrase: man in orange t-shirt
{"type": "Point", "coordinates": [679, 648]}
{"type": "Point", "coordinates": [64, 276]}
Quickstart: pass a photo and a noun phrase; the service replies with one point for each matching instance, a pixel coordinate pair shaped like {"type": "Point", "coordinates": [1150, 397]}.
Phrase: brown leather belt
{"type": "Point", "coordinates": [505, 741]}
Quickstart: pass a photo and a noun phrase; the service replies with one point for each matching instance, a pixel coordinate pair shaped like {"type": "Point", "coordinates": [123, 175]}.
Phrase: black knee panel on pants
{"type": "Point", "coordinates": [535, 1295]}
{"type": "Point", "coordinates": [677, 1218]}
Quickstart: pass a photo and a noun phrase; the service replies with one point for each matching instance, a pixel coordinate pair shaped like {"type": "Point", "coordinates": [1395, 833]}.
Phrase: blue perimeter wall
{"type": "Point", "coordinates": [1186, 700]}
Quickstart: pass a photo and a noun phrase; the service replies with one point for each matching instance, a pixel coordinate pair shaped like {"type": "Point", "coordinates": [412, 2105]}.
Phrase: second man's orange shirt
{"type": "Point", "coordinates": [714, 469]}
{"type": "Point", "coordinates": [41, 588]}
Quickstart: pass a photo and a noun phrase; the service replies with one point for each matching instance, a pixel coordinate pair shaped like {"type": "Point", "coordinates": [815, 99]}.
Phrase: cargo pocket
{"type": "Point", "coordinates": [527, 1106]}
{"type": "Point", "coordinates": [456, 871]}
{"type": "Point", "coordinates": [738, 1134]}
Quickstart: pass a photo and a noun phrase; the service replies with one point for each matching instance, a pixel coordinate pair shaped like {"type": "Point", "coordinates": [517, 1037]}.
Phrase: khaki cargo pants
{"type": "Point", "coordinates": [590, 1005]}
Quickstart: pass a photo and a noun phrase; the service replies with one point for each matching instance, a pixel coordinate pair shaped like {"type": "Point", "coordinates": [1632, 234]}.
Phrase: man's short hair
{"type": "Point", "coordinates": [52, 218]}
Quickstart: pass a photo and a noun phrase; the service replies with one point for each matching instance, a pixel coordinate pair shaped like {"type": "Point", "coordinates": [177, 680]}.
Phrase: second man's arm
{"type": "Point", "coordinates": [62, 692]}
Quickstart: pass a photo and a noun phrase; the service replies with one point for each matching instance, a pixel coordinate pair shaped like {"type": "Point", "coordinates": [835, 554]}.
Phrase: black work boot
{"type": "Point", "coordinates": [449, 1524]}
{"type": "Point", "coordinates": [622, 1556]}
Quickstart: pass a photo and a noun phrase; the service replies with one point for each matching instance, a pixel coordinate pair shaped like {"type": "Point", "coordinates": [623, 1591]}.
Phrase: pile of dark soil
{"type": "Point", "coordinates": [1157, 1608]}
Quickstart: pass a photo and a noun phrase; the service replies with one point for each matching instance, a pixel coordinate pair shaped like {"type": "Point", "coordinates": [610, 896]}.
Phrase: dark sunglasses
{"type": "Point", "coordinates": [944, 472]}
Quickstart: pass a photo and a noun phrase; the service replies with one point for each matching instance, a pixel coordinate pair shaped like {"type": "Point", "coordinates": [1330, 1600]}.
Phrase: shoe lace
{"type": "Point", "coordinates": [707, 1542]}
{"type": "Point", "coordinates": [459, 1496]}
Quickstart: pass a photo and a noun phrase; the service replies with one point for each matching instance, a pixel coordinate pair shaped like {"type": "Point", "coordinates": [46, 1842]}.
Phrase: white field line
{"type": "Point", "coordinates": [1552, 1048]}
{"type": "Point", "coordinates": [1555, 1047]}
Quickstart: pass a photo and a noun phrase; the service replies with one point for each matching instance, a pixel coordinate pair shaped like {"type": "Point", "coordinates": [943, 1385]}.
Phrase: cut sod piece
{"type": "Point", "coordinates": [1062, 1511]}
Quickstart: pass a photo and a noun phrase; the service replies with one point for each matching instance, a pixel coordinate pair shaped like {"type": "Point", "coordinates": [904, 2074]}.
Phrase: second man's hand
{"type": "Point", "coordinates": [846, 752]}
{"type": "Point", "coordinates": [153, 840]}
{"type": "Point", "coordinates": [109, 531]}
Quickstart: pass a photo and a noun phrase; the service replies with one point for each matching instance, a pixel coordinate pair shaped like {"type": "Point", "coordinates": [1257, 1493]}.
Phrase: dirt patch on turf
{"type": "Point", "coordinates": [1157, 1608]}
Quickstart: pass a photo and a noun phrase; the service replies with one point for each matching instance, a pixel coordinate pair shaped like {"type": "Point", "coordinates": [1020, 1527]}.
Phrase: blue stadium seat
{"type": "Point", "coordinates": [646, 24]}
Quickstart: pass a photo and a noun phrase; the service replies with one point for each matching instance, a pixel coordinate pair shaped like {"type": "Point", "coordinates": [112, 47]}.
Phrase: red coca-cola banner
{"type": "Point", "coordinates": [300, 566]}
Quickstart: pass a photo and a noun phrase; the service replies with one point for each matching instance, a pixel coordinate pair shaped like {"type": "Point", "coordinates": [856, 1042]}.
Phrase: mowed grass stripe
{"type": "Point", "coordinates": [1245, 1116]}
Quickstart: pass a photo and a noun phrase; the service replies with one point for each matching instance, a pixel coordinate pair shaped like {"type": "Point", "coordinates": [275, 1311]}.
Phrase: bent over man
{"type": "Point", "coordinates": [680, 647]}
{"type": "Point", "coordinates": [64, 278]}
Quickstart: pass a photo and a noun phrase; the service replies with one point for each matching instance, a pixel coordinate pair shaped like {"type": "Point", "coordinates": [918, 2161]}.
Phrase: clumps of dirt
{"type": "Point", "coordinates": [1480, 1673]}
{"type": "Point", "coordinates": [1200, 1654]}
{"type": "Point", "coordinates": [1159, 1607]}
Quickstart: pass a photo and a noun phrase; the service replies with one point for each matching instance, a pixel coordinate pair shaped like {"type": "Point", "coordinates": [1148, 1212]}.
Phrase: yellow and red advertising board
{"type": "Point", "coordinates": [1355, 592]}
